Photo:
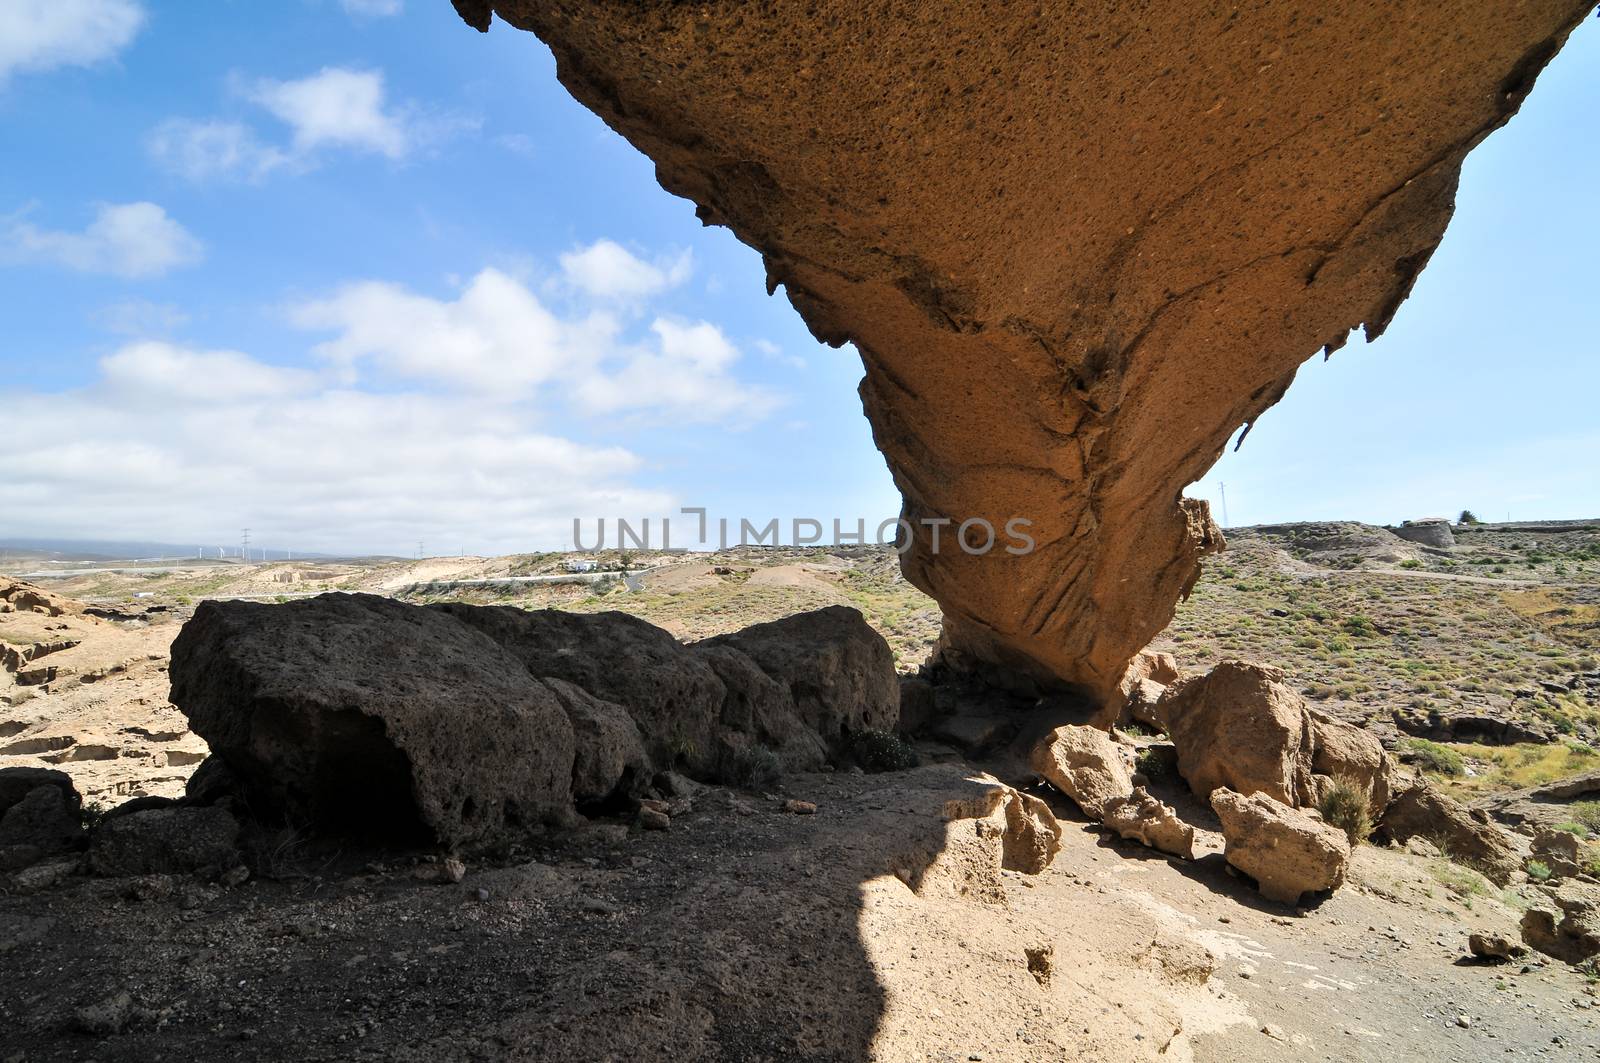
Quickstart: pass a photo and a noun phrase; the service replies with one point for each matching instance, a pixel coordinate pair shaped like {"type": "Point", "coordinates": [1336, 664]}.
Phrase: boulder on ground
{"type": "Point", "coordinates": [673, 696]}
{"type": "Point", "coordinates": [610, 757]}
{"type": "Point", "coordinates": [1143, 706]}
{"type": "Point", "coordinates": [1086, 765]}
{"type": "Point", "coordinates": [1239, 727]}
{"type": "Point", "coordinates": [1559, 851]}
{"type": "Point", "coordinates": [1464, 835]}
{"type": "Point", "coordinates": [360, 714]}
{"type": "Point", "coordinates": [1493, 947]}
{"type": "Point", "coordinates": [46, 821]}
{"type": "Point", "coordinates": [354, 713]}
{"type": "Point", "coordinates": [755, 713]}
{"type": "Point", "coordinates": [839, 672]}
{"type": "Point", "coordinates": [1139, 692]}
{"type": "Point", "coordinates": [1285, 850]}
{"type": "Point", "coordinates": [1148, 820]}
{"type": "Point", "coordinates": [1567, 925]}
{"type": "Point", "coordinates": [1344, 751]}
{"type": "Point", "coordinates": [798, 686]}
{"type": "Point", "coordinates": [211, 782]}
{"type": "Point", "coordinates": [165, 841]}
{"type": "Point", "coordinates": [17, 783]}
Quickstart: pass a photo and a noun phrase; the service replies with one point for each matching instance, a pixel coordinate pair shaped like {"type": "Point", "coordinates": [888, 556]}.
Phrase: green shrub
{"type": "Point", "coordinates": [1587, 814]}
{"type": "Point", "coordinates": [883, 751]}
{"type": "Point", "coordinates": [91, 814]}
{"type": "Point", "coordinates": [1411, 562]}
{"type": "Point", "coordinates": [1570, 827]}
{"type": "Point", "coordinates": [1157, 761]}
{"type": "Point", "coordinates": [1431, 756]}
{"type": "Point", "coordinates": [1345, 806]}
{"type": "Point", "coordinates": [1537, 870]}
{"type": "Point", "coordinates": [754, 768]}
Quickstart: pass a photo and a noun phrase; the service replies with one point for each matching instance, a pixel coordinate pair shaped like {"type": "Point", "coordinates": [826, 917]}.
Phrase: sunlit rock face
{"type": "Point", "coordinates": [1077, 245]}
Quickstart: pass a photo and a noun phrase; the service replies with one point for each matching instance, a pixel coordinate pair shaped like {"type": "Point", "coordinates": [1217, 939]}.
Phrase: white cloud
{"type": "Point", "coordinates": [126, 239]}
{"type": "Point", "coordinates": [166, 372]}
{"type": "Point", "coordinates": [177, 444]}
{"type": "Point", "coordinates": [201, 151]}
{"type": "Point", "coordinates": [418, 417]}
{"type": "Point", "coordinates": [684, 374]}
{"type": "Point", "coordinates": [607, 270]}
{"type": "Point", "coordinates": [337, 107]}
{"type": "Point", "coordinates": [43, 34]}
{"type": "Point", "coordinates": [372, 8]}
{"type": "Point", "coordinates": [498, 340]}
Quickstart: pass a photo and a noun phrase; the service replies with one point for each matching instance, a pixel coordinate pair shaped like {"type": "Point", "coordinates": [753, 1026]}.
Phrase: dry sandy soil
{"type": "Point", "coordinates": [747, 932]}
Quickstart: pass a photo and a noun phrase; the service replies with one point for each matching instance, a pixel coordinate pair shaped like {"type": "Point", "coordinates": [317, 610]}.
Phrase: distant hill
{"type": "Point", "coordinates": [127, 550]}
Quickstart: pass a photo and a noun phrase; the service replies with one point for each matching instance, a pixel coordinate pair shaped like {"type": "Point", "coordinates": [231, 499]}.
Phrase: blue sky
{"type": "Point", "coordinates": [354, 276]}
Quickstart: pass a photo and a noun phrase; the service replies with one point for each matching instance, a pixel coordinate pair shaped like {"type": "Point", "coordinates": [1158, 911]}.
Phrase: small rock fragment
{"type": "Point", "coordinates": [108, 1016]}
{"type": "Point", "coordinates": [1040, 962]}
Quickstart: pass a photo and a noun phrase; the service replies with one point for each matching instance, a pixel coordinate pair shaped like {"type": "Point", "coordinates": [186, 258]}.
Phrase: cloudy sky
{"type": "Point", "coordinates": [356, 277]}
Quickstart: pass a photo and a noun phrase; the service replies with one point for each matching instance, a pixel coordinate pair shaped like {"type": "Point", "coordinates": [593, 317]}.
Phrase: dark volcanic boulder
{"type": "Point", "coordinates": [17, 783]}
{"type": "Point", "coordinates": [364, 715]}
{"type": "Point", "coordinates": [758, 711]}
{"type": "Point", "coordinates": [673, 696]}
{"type": "Point", "coordinates": [165, 841]}
{"type": "Point", "coordinates": [359, 714]}
{"type": "Point", "coordinates": [40, 816]}
{"type": "Point", "coordinates": [837, 671]}
{"type": "Point", "coordinates": [798, 685]}
{"type": "Point", "coordinates": [610, 756]}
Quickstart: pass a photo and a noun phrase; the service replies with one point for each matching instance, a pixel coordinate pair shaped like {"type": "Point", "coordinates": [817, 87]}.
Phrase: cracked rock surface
{"type": "Point", "coordinates": [1077, 245]}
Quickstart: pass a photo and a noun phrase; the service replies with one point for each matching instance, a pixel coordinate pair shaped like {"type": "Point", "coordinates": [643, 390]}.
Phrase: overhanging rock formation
{"type": "Point", "coordinates": [1077, 245]}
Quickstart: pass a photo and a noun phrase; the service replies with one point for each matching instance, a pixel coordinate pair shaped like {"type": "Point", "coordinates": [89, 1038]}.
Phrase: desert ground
{"type": "Point", "coordinates": [864, 924]}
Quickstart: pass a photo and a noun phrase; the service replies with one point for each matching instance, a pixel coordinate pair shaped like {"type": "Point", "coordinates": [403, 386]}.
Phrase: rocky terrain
{"type": "Point", "coordinates": [759, 831]}
{"type": "Point", "coordinates": [85, 688]}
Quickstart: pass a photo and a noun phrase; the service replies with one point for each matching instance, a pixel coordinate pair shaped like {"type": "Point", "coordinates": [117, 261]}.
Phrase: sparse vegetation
{"type": "Point", "coordinates": [879, 751]}
{"type": "Point", "coordinates": [91, 813]}
{"type": "Point", "coordinates": [1436, 759]}
{"type": "Point", "coordinates": [1344, 805]}
{"type": "Point", "coordinates": [755, 767]}
{"type": "Point", "coordinates": [1156, 762]}
{"type": "Point", "coordinates": [1459, 880]}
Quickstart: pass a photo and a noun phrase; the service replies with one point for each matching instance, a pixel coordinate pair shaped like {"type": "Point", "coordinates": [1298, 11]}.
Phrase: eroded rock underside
{"type": "Point", "coordinates": [1077, 245]}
